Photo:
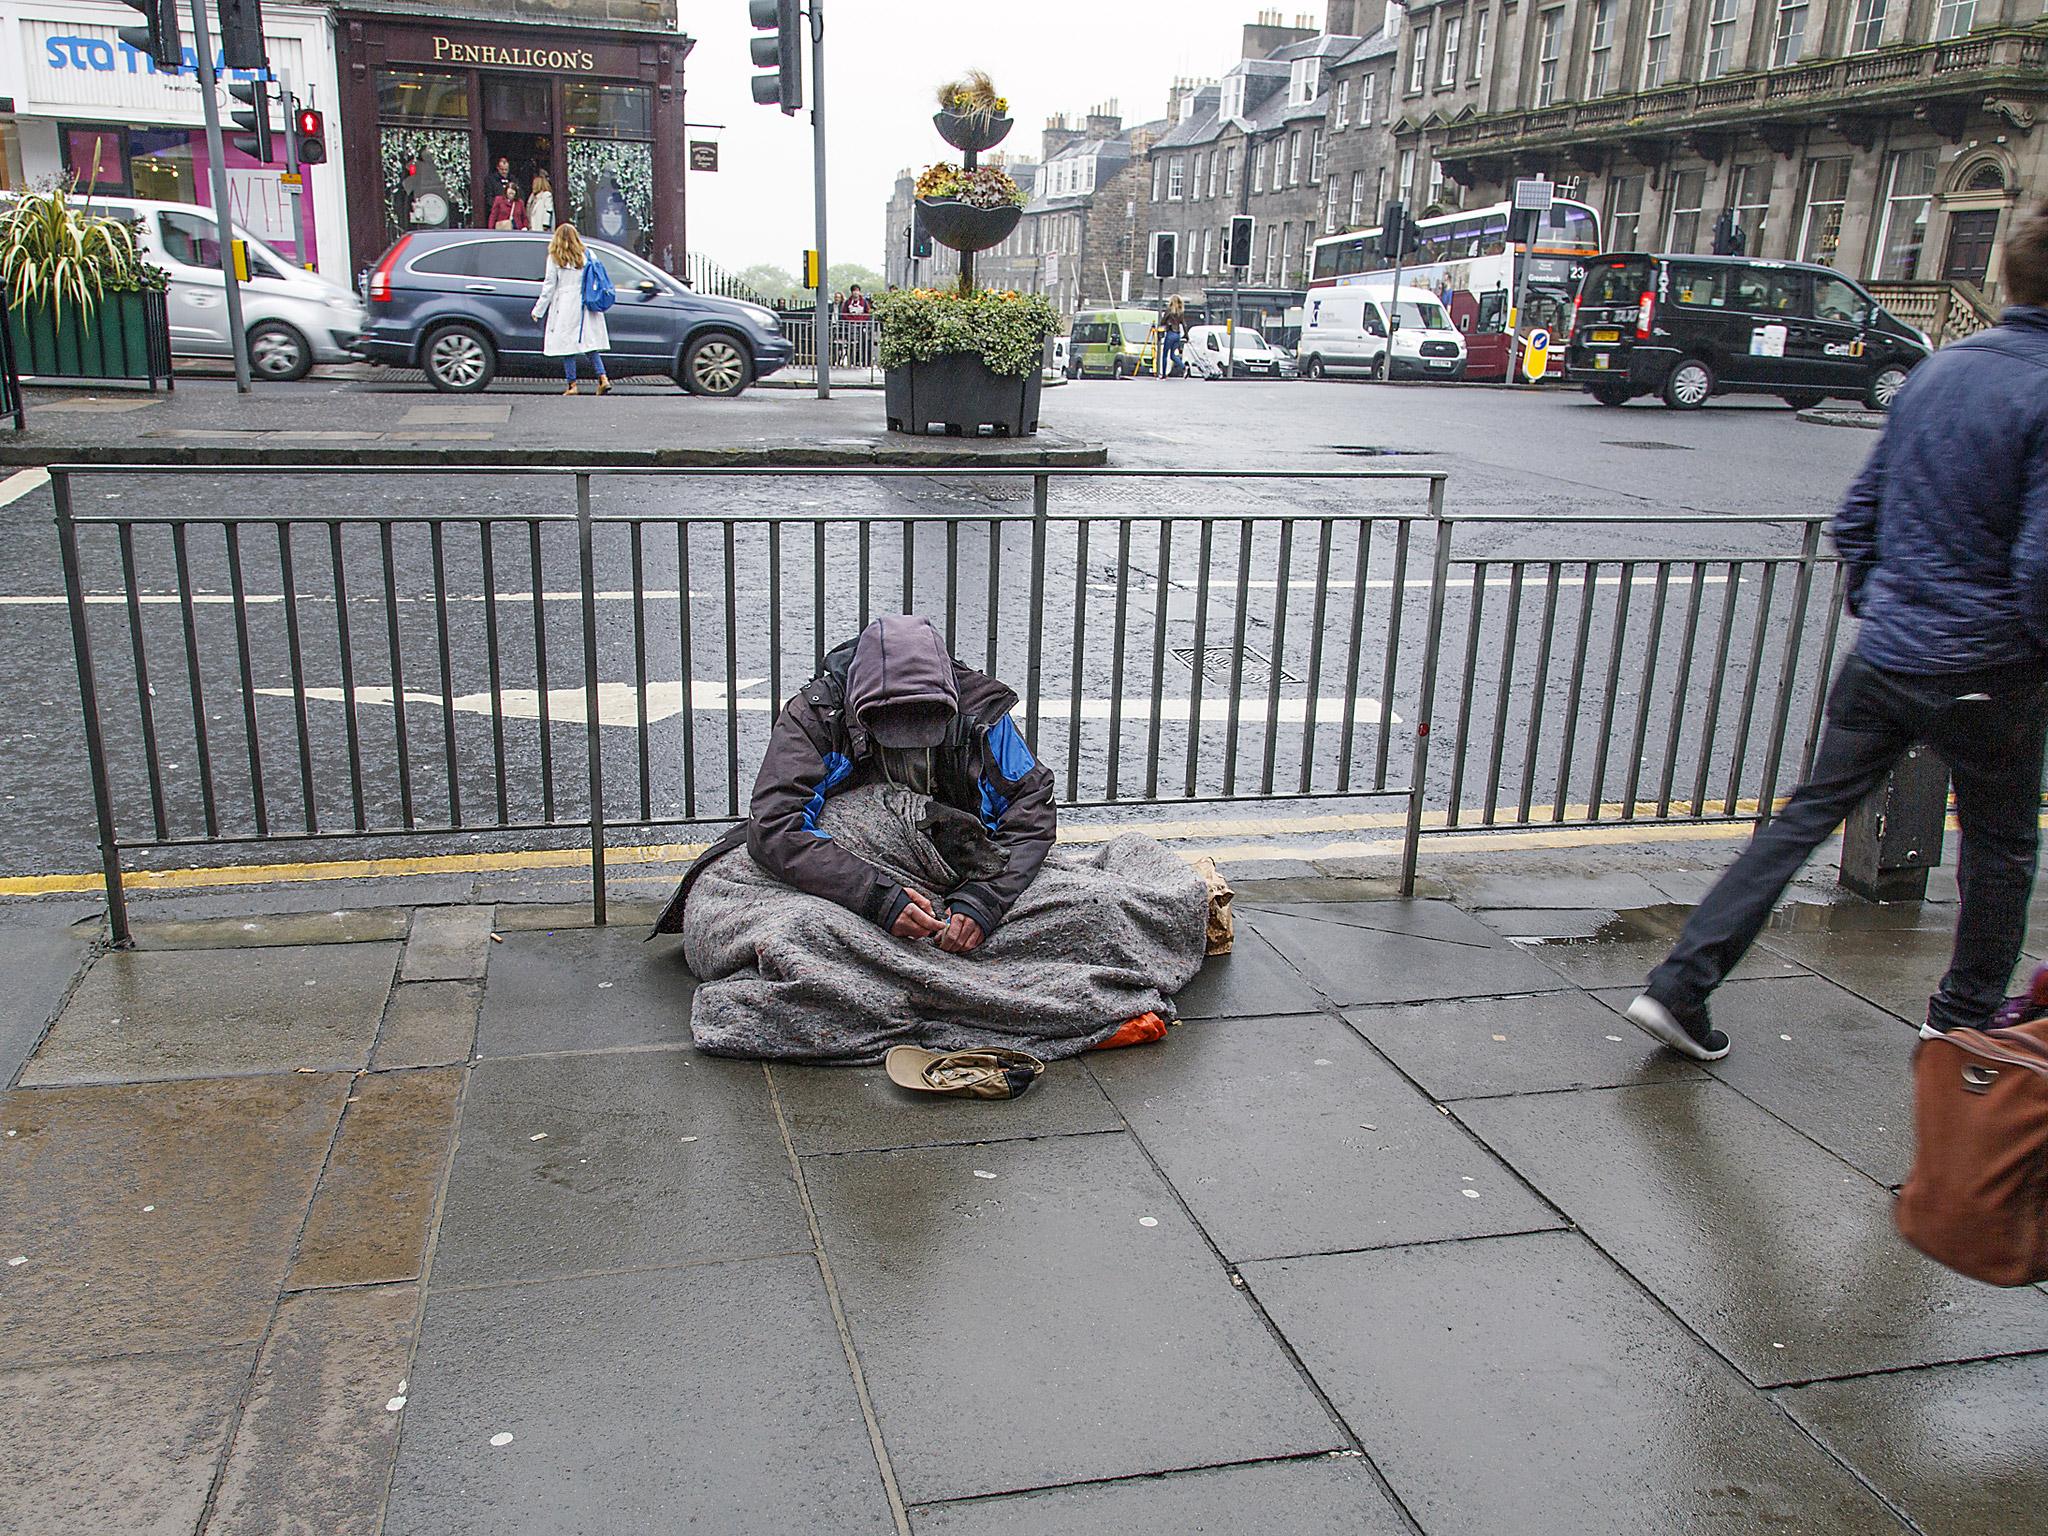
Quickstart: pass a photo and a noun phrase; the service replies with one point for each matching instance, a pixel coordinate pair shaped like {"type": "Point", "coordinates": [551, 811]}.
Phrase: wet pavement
{"type": "Point", "coordinates": [395, 1219]}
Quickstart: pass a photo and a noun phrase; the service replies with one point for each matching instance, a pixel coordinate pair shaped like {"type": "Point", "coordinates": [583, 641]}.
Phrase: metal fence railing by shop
{"type": "Point", "coordinates": [853, 346]}
{"type": "Point", "coordinates": [585, 657]}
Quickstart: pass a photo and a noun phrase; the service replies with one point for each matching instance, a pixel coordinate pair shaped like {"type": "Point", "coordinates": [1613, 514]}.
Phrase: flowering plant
{"type": "Point", "coordinates": [1007, 330]}
{"type": "Point", "coordinates": [974, 95]}
{"type": "Point", "coordinates": [983, 186]}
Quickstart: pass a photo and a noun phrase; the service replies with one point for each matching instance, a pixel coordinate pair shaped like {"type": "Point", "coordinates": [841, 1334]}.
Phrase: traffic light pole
{"type": "Point", "coordinates": [822, 321]}
{"type": "Point", "coordinates": [290, 107]}
{"type": "Point", "coordinates": [217, 166]}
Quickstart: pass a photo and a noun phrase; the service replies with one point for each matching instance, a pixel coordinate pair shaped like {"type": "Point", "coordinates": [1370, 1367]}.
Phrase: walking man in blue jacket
{"type": "Point", "coordinates": [1944, 537]}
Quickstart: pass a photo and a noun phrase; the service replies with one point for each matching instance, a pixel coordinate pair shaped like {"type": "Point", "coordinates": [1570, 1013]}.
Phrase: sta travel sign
{"type": "Point", "coordinates": [75, 66]}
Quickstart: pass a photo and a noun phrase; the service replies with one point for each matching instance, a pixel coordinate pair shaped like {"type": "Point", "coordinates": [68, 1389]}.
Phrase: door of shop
{"type": "Point", "coordinates": [519, 132]}
{"type": "Point", "coordinates": [1969, 246]}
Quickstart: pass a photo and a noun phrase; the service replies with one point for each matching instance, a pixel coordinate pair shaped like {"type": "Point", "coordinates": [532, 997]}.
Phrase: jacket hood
{"type": "Point", "coordinates": [901, 665]}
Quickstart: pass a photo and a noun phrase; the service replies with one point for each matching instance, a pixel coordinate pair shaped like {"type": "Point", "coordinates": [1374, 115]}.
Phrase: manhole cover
{"type": "Point", "coordinates": [1216, 664]}
{"type": "Point", "coordinates": [1671, 447]}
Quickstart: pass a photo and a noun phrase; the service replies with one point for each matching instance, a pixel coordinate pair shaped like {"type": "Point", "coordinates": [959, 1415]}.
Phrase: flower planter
{"type": "Point", "coordinates": [124, 336]}
{"type": "Point", "coordinates": [962, 227]}
{"type": "Point", "coordinates": [960, 395]}
{"type": "Point", "coordinates": [971, 135]}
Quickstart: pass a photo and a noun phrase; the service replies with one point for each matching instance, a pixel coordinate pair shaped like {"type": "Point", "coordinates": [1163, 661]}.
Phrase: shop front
{"type": "Point", "coordinates": [450, 122]}
{"type": "Point", "coordinates": [97, 113]}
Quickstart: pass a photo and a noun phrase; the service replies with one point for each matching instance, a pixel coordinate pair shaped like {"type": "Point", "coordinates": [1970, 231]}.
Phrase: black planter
{"type": "Point", "coordinates": [971, 134]}
{"type": "Point", "coordinates": [962, 227]}
{"type": "Point", "coordinates": [958, 394]}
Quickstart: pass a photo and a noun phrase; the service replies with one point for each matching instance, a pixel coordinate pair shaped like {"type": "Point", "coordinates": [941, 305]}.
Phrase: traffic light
{"type": "Point", "coordinates": [256, 93]}
{"type": "Point", "coordinates": [1400, 236]}
{"type": "Point", "coordinates": [1165, 250]}
{"type": "Point", "coordinates": [814, 275]}
{"type": "Point", "coordinates": [312, 134]}
{"type": "Point", "coordinates": [1239, 246]}
{"type": "Point", "coordinates": [241, 34]}
{"type": "Point", "coordinates": [920, 236]}
{"type": "Point", "coordinates": [781, 53]}
{"type": "Point", "coordinates": [158, 37]}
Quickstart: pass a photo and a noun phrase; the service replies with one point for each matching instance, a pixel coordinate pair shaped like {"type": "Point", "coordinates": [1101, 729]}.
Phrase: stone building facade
{"type": "Point", "coordinates": [1082, 237]}
{"type": "Point", "coordinates": [1004, 267]}
{"type": "Point", "coordinates": [1892, 139]}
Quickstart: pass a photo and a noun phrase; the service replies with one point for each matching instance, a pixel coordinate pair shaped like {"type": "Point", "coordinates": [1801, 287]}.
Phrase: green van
{"type": "Point", "coordinates": [1111, 343]}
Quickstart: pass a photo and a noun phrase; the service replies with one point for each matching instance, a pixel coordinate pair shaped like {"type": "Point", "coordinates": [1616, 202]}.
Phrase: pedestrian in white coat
{"type": "Point", "coordinates": [572, 330]}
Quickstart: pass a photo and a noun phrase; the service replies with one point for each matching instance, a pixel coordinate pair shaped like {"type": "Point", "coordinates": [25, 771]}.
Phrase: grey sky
{"type": "Point", "coordinates": [884, 58]}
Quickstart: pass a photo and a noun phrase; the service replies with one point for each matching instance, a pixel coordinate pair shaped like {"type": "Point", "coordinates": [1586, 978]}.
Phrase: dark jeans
{"type": "Point", "coordinates": [1992, 744]}
{"type": "Point", "coordinates": [569, 365]}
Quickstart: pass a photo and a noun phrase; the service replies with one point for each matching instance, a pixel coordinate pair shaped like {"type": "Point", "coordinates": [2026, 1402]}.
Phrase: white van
{"type": "Point", "coordinates": [1210, 352]}
{"type": "Point", "coordinates": [1348, 330]}
{"type": "Point", "coordinates": [294, 318]}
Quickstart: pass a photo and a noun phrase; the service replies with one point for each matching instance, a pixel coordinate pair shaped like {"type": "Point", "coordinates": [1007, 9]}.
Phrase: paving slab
{"type": "Point", "coordinates": [314, 1448]}
{"type": "Point", "coordinates": [126, 1446]}
{"type": "Point", "coordinates": [1963, 1449]}
{"type": "Point", "coordinates": [264, 930]}
{"type": "Point", "coordinates": [447, 944]}
{"type": "Point", "coordinates": [1418, 919]}
{"type": "Point", "coordinates": [571, 1164]}
{"type": "Point", "coordinates": [38, 962]}
{"type": "Point", "coordinates": [1129, 1351]}
{"type": "Point", "coordinates": [1613, 949]}
{"type": "Point", "coordinates": [154, 1217]}
{"type": "Point", "coordinates": [584, 989]}
{"type": "Point", "coordinates": [1253, 978]}
{"type": "Point", "coordinates": [428, 1024]}
{"type": "Point", "coordinates": [399, 893]}
{"type": "Point", "coordinates": [1324, 1496]}
{"type": "Point", "coordinates": [1845, 1077]}
{"type": "Point", "coordinates": [375, 1202]}
{"type": "Point", "coordinates": [1614, 889]}
{"type": "Point", "coordinates": [710, 1398]}
{"type": "Point", "coordinates": [1291, 1135]}
{"type": "Point", "coordinates": [1353, 963]}
{"type": "Point", "coordinates": [857, 1109]}
{"type": "Point", "coordinates": [1891, 956]}
{"type": "Point", "coordinates": [150, 1017]}
{"type": "Point", "coordinates": [1779, 1254]}
{"type": "Point", "coordinates": [1525, 1385]}
{"type": "Point", "coordinates": [1478, 1047]}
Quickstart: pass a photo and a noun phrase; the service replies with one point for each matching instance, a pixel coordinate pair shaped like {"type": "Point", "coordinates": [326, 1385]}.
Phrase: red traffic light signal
{"type": "Point", "coordinates": [311, 129]}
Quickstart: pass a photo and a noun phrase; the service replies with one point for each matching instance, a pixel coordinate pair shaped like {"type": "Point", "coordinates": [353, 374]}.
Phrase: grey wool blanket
{"type": "Point", "coordinates": [1100, 936]}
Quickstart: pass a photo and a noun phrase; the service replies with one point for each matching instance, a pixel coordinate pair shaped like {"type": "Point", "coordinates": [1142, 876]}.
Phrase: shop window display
{"type": "Point", "coordinates": [611, 190]}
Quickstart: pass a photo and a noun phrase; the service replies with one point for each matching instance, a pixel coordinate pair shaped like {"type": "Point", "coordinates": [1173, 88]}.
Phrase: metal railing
{"type": "Point", "coordinates": [707, 276]}
{"type": "Point", "coordinates": [853, 346]}
{"type": "Point", "coordinates": [436, 669]}
{"type": "Point", "coordinates": [456, 665]}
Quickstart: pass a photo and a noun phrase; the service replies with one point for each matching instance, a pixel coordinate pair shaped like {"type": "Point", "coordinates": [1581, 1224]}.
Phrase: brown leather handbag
{"type": "Point", "coordinates": [1977, 1198]}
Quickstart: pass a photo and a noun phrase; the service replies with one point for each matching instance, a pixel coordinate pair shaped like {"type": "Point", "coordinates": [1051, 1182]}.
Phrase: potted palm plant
{"type": "Point", "coordinates": [81, 302]}
{"type": "Point", "coordinates": [966, 360]}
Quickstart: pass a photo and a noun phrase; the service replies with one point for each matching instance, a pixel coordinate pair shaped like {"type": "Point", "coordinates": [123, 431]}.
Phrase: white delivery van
{"type": "Point", "coordinates": [1211, 354]}
{"type": "Point", "coordinates": [1352, 328]}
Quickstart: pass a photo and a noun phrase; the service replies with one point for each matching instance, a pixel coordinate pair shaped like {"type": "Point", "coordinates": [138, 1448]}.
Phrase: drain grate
{"type": "Point", "coordinates": [1216, 664]}
{"type": "Point", "coordinates": [1667, 447]}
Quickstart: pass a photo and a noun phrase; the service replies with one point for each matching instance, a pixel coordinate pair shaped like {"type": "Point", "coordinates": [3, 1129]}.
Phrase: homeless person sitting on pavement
{"type": "Point", "coordinates": [896, 883]}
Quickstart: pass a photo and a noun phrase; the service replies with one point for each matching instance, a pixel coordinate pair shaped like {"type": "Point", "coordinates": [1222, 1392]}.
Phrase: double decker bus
{"type": "Point", "coordinates": [1467, 259]}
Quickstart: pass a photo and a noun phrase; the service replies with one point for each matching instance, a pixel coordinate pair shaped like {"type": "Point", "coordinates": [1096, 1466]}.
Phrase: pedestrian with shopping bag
{"type": "Point", "coordinates": [1944, 546]}
{"type": "Point", "coordinates": [574, 294]}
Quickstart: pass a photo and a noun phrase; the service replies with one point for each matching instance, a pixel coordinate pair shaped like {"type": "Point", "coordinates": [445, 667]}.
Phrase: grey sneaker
{"type": "Point", "coordinates": [1690, 1034]}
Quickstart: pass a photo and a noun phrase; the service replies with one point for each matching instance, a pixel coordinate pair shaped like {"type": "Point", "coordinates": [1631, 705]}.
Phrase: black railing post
{"type": "Point", "coordinates": [89, 698]}
{"type": "Point", "coordinates": [592, 714]}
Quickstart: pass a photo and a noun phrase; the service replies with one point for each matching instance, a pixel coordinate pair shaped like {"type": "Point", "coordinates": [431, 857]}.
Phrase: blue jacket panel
{"type": "Point", "coordinates": [1945, 532]}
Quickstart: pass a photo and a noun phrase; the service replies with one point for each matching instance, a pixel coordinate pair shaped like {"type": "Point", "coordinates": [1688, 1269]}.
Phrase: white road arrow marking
{"type": "Point", "coordinates": [618, 704]}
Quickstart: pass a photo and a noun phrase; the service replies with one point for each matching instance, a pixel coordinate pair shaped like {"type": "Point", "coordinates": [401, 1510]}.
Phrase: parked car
{"type": "Point", "coordinates": [1210, 353]}
{"type": "Point", "coordinates": [1111, 343]}
{"type": "Point", "coordinates": [293, 318]}
{"type": "Point", "coordinates": [458, 305]}
{"type": "Point", "coordinates": [1692, 327]}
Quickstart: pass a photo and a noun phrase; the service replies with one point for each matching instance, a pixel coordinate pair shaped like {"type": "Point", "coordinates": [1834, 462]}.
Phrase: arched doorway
{"type": "Point", "coordinates": [1981, 192]}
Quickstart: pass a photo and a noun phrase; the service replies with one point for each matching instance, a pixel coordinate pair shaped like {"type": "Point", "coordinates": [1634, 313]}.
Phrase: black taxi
{"type": "Point", "coordinates": [1688, 328]}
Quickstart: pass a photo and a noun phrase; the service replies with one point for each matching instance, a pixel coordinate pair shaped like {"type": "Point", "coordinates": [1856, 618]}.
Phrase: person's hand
{"type": "Point", "coordinates": [962, 934]}
{"type": "Point", "coordinates": [917, 920]}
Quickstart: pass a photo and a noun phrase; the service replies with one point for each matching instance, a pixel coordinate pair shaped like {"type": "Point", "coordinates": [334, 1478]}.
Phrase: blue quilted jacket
{"type": "Point", "coordinates": [1945, 533]}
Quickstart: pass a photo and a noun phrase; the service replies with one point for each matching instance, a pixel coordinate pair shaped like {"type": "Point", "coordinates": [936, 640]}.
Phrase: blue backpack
{"type": "Point", "coordinates": [598, 292]}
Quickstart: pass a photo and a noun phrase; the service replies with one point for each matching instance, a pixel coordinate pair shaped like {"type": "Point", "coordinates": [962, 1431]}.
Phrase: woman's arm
{"type": "Point", "coordinates": [547, 289]}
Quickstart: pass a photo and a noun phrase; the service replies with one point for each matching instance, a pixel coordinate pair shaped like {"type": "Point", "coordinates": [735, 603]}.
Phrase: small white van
{"type": "Point", "coordinates": [1348, 329]}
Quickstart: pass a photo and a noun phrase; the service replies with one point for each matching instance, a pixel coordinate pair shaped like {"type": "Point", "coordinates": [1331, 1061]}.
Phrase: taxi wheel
{"type": "Point", "coordinates": [1690, 385]}
{"type": "Point", "coordinates": [1885, 387]}
{"type": "Point", "coordinates": [1609, 394]}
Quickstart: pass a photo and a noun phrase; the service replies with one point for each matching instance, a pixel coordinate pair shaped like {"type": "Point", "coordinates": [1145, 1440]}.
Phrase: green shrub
{"type": "Point", "coordinates": [56, 254]}
{"type": "Point", "coordinates": [1006, 330]}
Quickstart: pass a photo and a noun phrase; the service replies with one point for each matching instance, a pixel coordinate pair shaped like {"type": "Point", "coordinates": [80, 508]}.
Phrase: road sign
{"type": "Point", "coordinates": [1536, 356]}
{"type": "Point", "coordinates": [291, 178]}
{"type": "Point", "coordinates": [1534, 194]}
{"type": "Point", "coordinates": [703, 155]}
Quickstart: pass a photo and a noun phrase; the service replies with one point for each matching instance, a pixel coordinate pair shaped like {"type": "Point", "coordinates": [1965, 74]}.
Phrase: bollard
{"type": "Point", "coordinates": [1894, 837]}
